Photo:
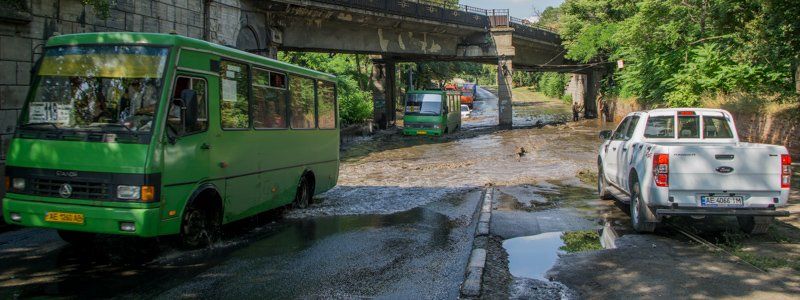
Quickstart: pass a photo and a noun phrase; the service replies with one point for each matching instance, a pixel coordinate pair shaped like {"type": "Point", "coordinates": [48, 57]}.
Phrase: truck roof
{"type": "Point", "coordinates": [700, 111]}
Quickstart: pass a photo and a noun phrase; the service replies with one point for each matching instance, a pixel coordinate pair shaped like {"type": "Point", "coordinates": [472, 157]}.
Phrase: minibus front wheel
{"type": "Point", "coordinates": [201, 224]}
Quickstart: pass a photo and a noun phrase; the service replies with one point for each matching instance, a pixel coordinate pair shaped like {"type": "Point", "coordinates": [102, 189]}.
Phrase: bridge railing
{"type": "Point", "coordinates": [435, 10]}
{"type": "Point", "coordinates": [446, 11]}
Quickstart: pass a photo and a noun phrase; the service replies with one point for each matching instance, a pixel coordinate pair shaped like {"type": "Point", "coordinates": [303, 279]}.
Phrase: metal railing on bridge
{"type": "Point", "coordinates": [447, 12]}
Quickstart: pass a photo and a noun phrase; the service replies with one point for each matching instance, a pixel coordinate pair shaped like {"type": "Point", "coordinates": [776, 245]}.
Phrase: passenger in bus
{"type": "Point", "coordinates": [274, 118]}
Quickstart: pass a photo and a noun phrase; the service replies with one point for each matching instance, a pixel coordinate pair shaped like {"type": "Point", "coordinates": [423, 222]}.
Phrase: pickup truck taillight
{"type": "Point", "coordinates": [786, 171]}
{"type": "Point", "coordinates": [661, 169]}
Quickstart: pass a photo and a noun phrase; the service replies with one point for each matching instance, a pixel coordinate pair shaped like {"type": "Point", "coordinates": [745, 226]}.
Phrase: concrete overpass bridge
{"type": "Point", "coordinates": [404, 31]}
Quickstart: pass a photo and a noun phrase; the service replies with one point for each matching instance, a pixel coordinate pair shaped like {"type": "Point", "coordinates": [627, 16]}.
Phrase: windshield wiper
{"type": "Point", "coordinates": [54, 125]}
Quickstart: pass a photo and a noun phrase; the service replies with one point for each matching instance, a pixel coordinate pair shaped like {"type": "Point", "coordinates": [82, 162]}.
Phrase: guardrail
{"type": "Point", "coordinates": [448, 12]}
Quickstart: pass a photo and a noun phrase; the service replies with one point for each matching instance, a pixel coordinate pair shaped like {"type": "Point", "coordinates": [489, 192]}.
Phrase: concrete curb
{"type": "Point", "coordinates": [471, 287]}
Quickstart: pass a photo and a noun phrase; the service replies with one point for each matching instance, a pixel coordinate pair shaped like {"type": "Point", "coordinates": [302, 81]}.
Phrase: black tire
{"type": "Point", "coordinates": [638, 218]}
{"type": "Point", "coordinates": [305, 193]}
{"type": "Point", "coordinates": [754, 225]}
{"type": "Point", "coordinates": [201, 226]}
{"type": "Point", "coordinates": [602, 184]}
{"type": "Point", "coordinates": [76, 238]}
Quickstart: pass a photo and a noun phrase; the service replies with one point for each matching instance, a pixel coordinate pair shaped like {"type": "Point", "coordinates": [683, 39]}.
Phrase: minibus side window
{"type": "Point", "coordinates": [234, 103]}
{"type": "Point", "coordinates": [193, 116]}
{"type": "Point", "coordinates": [303, 102]}
{"type": "Point", "coordinates": [326, 105]}
{"type": "Point", "coordinates": [269, 99]}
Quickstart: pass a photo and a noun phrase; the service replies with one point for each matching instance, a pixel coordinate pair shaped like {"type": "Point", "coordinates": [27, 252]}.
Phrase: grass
{"type": "Point", "coordinates": [587, 176]}
{"type": "Point", "coordinates": [578, 241]}
{"type": "Point", "coordinates": [733, 243]}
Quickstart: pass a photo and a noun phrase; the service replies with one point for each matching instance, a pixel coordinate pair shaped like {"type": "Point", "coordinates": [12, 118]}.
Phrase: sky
{"type": "Point", "coordinates": [518, 8]}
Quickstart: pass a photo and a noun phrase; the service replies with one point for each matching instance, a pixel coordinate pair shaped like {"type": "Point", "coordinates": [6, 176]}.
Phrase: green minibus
{"type": "Point", "coordinates": [158, 134]}
{"type": "Point", "coordinates": [431, 112]}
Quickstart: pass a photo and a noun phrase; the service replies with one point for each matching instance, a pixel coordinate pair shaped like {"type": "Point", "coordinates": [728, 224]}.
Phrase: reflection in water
{"type": "Point", "coordinates": [145, 268]}
{"type": "Point", "coordinates": [532, 256]}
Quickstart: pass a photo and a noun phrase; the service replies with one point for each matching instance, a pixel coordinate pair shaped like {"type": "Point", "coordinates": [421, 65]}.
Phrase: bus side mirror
{"type": "Point", "coordinates": [605, 135]}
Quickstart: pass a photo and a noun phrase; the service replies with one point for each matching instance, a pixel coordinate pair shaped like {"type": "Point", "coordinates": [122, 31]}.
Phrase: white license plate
{"type": "Point", "coordinates": [721, 200]}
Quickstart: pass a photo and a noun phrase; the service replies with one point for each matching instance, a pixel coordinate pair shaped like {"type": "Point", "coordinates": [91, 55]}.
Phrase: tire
{"type": "Point", "coordinates": [602, 184]}
{"type": "Point", "coordinates": [305, 192]}
{"type": "Point", "coordinates": [638, 218]}
{"type": "Point", "coordinates": [201, 226]}
{"type": "Point", "coordinates": [76, 238]}
{"type": "Point", "coordinates": [754, 225]}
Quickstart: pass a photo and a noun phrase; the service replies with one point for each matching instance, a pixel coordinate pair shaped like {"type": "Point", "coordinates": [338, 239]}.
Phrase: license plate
{"type": "Point", "coordinates": [62, 217]}
{"type": "Point", "coordinates": [422, 132]}
{"type": "Point", "coordinates": [721, 200]}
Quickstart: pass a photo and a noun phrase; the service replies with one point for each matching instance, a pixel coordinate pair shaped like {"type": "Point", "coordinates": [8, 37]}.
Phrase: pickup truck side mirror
{"type": "Point", "coordinates": [605, 134]}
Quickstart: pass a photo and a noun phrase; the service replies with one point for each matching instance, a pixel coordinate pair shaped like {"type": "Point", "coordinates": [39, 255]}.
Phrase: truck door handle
{"type": "Point", "coordinates": [205, 146]}
{"type": "Point", "coordinates": [615, 148]}
{"type": "Point", "coordinates": [624, 149]}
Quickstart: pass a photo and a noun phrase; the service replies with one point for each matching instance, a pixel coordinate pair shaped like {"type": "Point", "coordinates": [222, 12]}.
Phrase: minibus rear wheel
{"type": "Point", "coordinates": [201, 225]}
{"type": "Point", "coordinates": [76, 238]}
{"type": "Point", "coordinates": [305, 191]}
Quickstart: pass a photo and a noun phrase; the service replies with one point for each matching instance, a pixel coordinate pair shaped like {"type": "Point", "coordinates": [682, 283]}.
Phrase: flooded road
{"type": "Point", "coordinates": [400, 224]}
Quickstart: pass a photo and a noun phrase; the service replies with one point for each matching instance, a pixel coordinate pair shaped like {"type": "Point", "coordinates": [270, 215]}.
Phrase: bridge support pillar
{"type": "Point", "coordinates": [504, 97]}
{"type": "Point", "coordinates": [503, 37]}
{"type": "Point", "coordinates": [383, 93]}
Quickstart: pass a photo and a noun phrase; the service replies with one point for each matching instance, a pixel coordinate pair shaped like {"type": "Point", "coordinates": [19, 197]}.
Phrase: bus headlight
{"type": "Point", "coordinates": [18, 184]}
{"type": "Point", "coordinates": [129, 192]}
{"type": "Point", "coordinates": [436, 126]}
{"type": "Point", "coordinates": [146, 193]}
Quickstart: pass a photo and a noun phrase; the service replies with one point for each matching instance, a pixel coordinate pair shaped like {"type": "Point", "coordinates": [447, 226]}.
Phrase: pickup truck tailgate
{"type": "Point", "coordinates": [735, 168]}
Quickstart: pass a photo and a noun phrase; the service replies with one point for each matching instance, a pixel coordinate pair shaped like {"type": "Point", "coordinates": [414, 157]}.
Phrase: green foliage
{"type": "Point", "coordinates": [678, 51]}
{"type": "Point", "coordinates": [579, 241]}
{"type": "Point", "coordinates": [14, 5]}
{"type": "Point", "coordinates": [355, 101]}
{"type": "Point", "coordinates": [553, 84]}
{"type": "Point", "coordinates": [101, 7]}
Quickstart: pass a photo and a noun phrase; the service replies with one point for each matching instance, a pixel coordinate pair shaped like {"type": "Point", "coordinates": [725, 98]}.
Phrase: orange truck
{"type": "Point", "coordinates": [468, 94]}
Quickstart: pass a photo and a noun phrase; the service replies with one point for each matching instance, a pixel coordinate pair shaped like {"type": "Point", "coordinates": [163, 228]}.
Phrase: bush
{"type": "Point", "coordinates": [553, 84]}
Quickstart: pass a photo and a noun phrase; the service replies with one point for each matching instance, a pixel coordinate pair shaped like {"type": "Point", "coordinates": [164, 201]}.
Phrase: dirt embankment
{"type": "Point", "coordinates": [757, 120]}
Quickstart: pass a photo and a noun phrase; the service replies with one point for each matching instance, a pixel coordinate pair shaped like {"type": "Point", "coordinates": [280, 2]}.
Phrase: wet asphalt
{"type": "Point", "coordinates": [400, 225]}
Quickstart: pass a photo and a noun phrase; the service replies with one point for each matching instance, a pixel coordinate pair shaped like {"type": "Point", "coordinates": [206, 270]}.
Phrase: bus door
{"type": "Point", "coordinates": [187, 148]}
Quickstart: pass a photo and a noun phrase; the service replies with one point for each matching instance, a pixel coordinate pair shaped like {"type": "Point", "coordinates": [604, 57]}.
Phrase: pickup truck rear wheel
{"type": "Point", "coordinates": [638, 218]}
{"type": "Point", "coordinates": [754, 225]}
{"type": "Point", "coordinates": [602, 184]}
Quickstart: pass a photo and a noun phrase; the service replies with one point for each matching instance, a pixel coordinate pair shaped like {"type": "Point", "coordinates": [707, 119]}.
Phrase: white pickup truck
{"type": "Point", "coordinates": [690, 162]}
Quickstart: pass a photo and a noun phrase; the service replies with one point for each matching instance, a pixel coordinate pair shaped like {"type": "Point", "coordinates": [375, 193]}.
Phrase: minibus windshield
{"type": "Point", "coordinates": [109, 88]}
{"type": "Point", "coordinates": [423, 104]}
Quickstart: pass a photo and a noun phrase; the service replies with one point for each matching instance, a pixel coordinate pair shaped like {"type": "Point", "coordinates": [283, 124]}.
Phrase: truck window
{"type": "Point", "coordinates": [716, 127]}
{"type": "Point", "coordinates": [660, 127]}
{"type": "Point", "coordinates": [234, 107]}
{"type": "Point", "coordinates": [688, 127]}
{"type": "Point", "coordinates": [631, 127]}
{"type": "Point", "coordinates": [619, 133]}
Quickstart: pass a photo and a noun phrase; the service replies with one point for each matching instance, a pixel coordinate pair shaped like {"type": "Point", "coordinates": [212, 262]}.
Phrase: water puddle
{"type": "Point", "coordinates": [532, 256]}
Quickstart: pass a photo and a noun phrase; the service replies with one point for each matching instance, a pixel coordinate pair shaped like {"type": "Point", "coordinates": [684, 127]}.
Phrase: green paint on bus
{"type": "Point", "coordinates": [150, 134]}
